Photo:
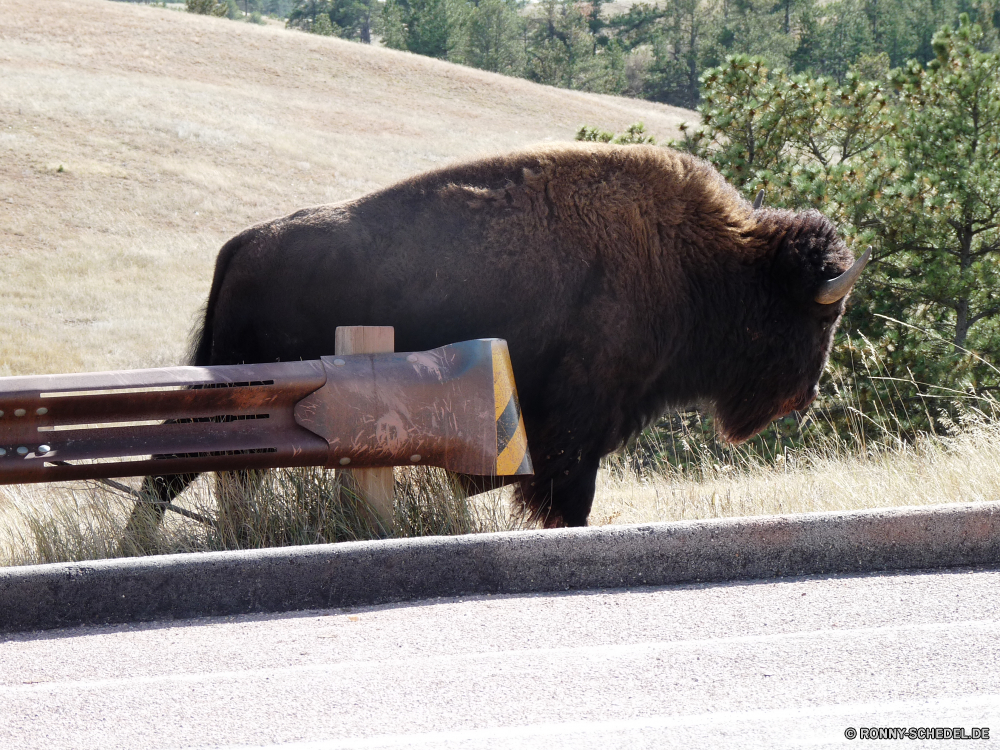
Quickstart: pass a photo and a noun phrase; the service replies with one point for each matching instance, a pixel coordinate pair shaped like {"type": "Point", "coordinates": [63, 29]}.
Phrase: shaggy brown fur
{"type": "Point", "coordinates": [624, 279]}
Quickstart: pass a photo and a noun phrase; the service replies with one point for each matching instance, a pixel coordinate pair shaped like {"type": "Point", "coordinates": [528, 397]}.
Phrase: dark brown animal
{"type": "Point", "coordinates": [624, 279]}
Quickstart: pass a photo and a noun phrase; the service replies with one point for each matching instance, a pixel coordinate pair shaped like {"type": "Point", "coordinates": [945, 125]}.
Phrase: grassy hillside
{"type": "Point", "coordinates": [135, 140]}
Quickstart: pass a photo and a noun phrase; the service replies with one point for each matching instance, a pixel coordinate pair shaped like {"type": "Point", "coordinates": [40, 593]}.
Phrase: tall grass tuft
{"type": "Point", "coordinates": [243, 510]}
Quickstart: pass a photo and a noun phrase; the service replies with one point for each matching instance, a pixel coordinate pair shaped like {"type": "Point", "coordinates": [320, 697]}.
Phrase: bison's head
{"type": "Point", "coordinates": [789, 306]}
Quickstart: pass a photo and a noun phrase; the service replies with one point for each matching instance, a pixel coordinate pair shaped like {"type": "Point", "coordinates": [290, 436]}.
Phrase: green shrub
{"type": "Point", "coordinates": [208, 7]}
{"type": "Point", "coordinates": [634, 134]}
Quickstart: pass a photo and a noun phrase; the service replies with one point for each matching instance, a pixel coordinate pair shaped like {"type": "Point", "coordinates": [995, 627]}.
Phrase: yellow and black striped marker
{"type": "Point", "coordinates": [512, 443]}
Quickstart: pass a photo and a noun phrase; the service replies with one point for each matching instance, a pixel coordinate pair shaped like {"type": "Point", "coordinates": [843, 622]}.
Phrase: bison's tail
{"type": "Point", "coordinates": [202, 336]}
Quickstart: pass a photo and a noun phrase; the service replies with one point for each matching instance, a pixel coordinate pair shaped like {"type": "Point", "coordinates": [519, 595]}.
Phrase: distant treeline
{"type": "Point", "coordinates": [248, 10]}
{"type": "Point", "coordinates": [655, 51]}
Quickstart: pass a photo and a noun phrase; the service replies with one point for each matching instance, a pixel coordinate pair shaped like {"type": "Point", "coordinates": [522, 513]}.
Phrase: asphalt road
{"type": "Point", "coordinates": [771, 664]}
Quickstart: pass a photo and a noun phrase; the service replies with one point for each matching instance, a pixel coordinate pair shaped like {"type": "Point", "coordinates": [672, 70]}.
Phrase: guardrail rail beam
{"type": "Point", "coordinates": [454, 407]}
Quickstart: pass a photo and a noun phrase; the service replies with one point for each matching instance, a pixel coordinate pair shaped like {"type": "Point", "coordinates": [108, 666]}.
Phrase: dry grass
{"type": "Point", "coordinates": [960, 469]}
{"type": "Point", "coordinates": [87, 521]}
{"type": "Point", "coordinates": [280, 508]}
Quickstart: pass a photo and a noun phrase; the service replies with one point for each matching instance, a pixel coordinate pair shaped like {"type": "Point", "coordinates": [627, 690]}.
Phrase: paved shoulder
{"type": "Point", "coordinates": [766, 664]}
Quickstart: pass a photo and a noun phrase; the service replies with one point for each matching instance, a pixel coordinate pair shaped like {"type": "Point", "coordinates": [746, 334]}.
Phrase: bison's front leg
{"type": "Point", "coordinates": [563, 498]}
{"type": "Point", "coordinates": [561, 492]}
{"type": "Point", "coordinates": [568, 430]}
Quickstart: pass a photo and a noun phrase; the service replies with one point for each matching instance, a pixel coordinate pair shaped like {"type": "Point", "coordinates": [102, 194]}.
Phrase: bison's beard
{"type": "Point", "coordinates": [740, 418]}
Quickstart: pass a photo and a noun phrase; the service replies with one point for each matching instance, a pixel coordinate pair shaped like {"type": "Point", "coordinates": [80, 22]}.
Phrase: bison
{"type": "Point", "coordinates": [625, 279]}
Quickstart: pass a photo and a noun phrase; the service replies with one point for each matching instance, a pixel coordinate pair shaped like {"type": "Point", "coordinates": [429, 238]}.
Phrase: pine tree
{"type": "Point", "coordinates": [910, 169]}
{"type": "Point", "coordinates": [946, 255]}
{"type": "Point", "coordinates": [496, 37]}
{"type": "Point", "coordinates": [563, 52]}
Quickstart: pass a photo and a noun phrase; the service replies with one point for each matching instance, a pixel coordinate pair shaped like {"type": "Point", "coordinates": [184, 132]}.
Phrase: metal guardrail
{"type": "Point", "coordinates": [454, 407]}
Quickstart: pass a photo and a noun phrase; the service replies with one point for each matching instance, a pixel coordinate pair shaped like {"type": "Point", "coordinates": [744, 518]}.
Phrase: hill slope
{"type": "Point", "coordinates": [135, 140]}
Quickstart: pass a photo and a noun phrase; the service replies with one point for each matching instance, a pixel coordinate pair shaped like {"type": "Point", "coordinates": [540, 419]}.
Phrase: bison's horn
{"type": "Point", "coordinates": [758, 201]}
{"type": "Point", "coordinates": [836, 289]}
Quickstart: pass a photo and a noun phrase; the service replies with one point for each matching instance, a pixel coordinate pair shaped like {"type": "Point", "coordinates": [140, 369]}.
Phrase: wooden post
{"type": "Point", "coordinates": [374, 486]}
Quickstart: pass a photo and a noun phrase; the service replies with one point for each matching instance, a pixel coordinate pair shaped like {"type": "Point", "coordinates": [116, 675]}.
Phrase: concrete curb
{"type": "Point", "coordinates": [363, 573]}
